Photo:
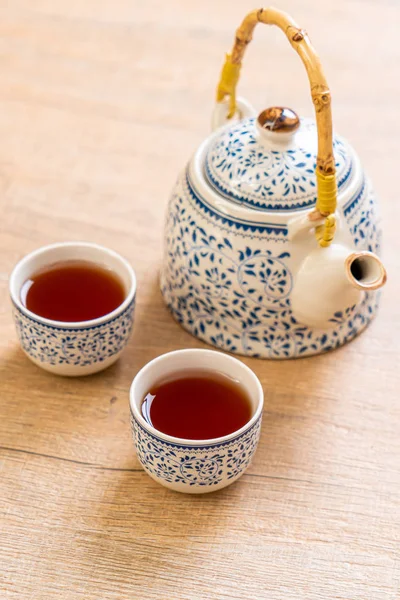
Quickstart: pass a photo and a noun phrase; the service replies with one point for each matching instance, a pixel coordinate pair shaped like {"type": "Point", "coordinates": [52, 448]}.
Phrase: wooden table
{"type": "Point", "coordinates": [102, 101]}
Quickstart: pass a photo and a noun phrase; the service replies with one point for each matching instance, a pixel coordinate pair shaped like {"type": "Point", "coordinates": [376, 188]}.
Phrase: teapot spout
{"type": "Point", "coordinates": [331, 280]}
{"type": "Point", "coordinates": [365, 271]}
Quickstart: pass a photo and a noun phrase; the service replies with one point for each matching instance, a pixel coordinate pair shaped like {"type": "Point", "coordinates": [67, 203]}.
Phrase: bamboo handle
{"type": "Point", "coordinates": [321, 97]}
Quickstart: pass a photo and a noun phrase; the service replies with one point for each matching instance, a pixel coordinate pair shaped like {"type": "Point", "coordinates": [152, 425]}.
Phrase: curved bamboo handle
{"type": "Point", "coordinates": [321, 97]}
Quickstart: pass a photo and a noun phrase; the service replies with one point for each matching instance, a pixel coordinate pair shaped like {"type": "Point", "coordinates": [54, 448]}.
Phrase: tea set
{"type": "Point", "coordinates": [272, 243]}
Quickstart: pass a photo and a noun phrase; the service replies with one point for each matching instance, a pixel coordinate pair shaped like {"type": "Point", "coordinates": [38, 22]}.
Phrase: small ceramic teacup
{"type": "Point", "coordinates": [78, 348]}
{"type": "Point", "coordinates": [195, 466]}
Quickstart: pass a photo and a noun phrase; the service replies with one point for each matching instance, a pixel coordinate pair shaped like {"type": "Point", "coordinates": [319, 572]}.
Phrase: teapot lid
{"type": "Point", "coordinates": [268, 163]}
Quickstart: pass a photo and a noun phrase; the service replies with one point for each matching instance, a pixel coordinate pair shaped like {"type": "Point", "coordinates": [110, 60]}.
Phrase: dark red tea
{"type": "Point", "coordinates": [73, 291]}
{"type": "Point", "coordinates": [197, 406]}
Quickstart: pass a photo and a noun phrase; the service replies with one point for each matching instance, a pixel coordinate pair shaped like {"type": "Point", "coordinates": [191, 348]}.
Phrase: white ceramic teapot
{"type": "Point", "coordinates": [272, 234]}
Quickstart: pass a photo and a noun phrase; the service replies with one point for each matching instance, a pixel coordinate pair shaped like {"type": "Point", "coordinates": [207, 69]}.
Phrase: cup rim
{"type": "Point", "coordinates": [185, 441]}
{"type": "Point", "coordinates": [15, 294]}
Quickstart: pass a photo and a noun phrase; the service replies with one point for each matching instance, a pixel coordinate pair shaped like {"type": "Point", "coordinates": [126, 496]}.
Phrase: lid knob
{"type": "Point", "coordinates": [279, 119]}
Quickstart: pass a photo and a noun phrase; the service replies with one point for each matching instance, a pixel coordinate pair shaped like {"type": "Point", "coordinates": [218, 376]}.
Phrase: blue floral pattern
{"type": "Point", "coordinates": [237, 297]}
{"type": "Point", "coordinates": [195, 466]}
{"type": "Point", "coordinates": [240, 168]}
{"type": "Point", "coordinates": [365, 226]}
{"type": "Point", "coordinates": [78, 347]}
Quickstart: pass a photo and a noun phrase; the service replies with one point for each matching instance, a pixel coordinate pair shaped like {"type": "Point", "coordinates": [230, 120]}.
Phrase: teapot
{"type": "Point", "coordinates": [272, 235]}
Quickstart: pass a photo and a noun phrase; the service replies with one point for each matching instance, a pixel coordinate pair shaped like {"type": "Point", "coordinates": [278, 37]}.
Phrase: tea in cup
{"type": "Point", "coordinates": [196, 419]}
{"type": "Point", "coordinates": [73, 306]}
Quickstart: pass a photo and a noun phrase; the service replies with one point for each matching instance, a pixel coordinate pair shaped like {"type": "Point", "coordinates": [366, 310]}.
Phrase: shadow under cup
{"type": "Point", "coordinates": [195, 466]}
{"type": "Point", "coordinates": [82, 347]}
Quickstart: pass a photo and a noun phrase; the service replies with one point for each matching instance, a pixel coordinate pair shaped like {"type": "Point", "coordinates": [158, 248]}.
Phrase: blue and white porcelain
{"type": "Point", "coordinates": [242, 269]}
{"type": "Point", "coordinates": [195, 466]}
{"type": "Point", "coordinates": [80, 348]}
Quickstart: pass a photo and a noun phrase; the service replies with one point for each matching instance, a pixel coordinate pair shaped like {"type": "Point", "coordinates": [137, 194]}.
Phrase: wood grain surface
{"type": "Point", "coordinates": [101, 104]}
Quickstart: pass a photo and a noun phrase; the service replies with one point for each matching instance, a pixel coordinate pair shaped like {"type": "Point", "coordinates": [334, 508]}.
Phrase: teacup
{"type": "Point", "coordinates": [78, 348]}
{"type": "Point", "coordinates": [195, 466]}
